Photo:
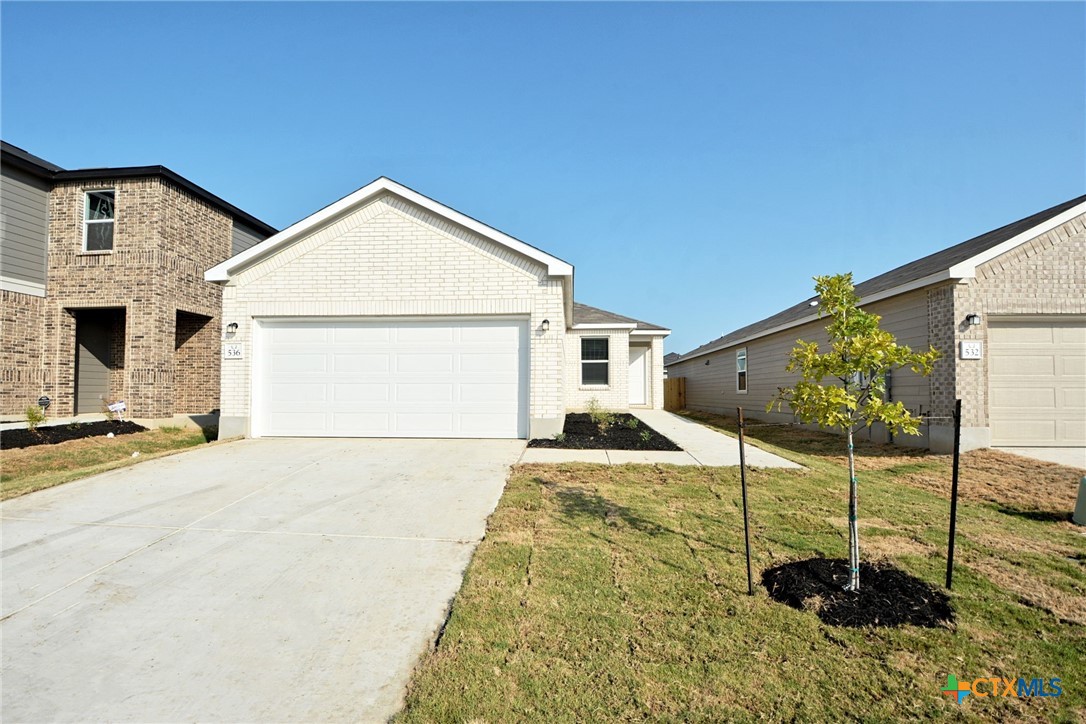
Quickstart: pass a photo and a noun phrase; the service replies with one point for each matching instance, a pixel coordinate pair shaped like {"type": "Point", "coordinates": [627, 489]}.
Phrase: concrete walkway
{"type": "Point", "coordinates": [285, 580]}
{"type": "Point", "coordinates": [700, 445]}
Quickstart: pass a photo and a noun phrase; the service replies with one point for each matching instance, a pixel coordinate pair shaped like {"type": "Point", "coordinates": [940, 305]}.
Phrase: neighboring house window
{"type": "Point", "coordinates": [594, 361]}
{"type": "Point", "coordinates": [98, 221]}
{"type": "Point", "coordinates": [741, 370]}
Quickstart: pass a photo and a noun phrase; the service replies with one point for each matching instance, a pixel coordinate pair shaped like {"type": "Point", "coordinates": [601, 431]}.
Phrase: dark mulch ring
{"type": "Point", "coordinates": [11, 439]}
{"type": "Point", "coordinates": [626, 433]}
{"type": "Point", "coordinates": [887, 597]}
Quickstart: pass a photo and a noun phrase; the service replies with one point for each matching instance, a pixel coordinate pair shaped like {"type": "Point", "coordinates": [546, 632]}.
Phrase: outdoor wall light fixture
{"type": "Point", "coordinates": [706, 363]}
{"type": "Point", "coordinates": [232, 328]}
{"type": "Point", "coordinates": [546, 326]}
{"type": "Point", "coordinates": [972, 319]}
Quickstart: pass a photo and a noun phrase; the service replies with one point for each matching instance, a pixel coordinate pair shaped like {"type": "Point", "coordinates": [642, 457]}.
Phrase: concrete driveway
{"type": "Point", "coordinates": [262, 580]}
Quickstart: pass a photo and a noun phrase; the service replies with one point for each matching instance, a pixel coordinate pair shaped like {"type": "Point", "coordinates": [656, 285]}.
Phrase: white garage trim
{"type": "Point", "coordinates": [390, 377]}
{"type": "Point", "coordinates": [1037, 381]}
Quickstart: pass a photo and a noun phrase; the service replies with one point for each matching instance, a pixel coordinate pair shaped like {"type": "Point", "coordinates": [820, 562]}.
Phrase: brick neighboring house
{"type": "Point", "coordinates": [1007, 309]}
{"type": "Point", "coordinates": [102, 290]}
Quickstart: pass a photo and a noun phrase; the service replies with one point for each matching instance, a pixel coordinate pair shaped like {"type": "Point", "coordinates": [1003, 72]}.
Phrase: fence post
{"type": "Point", "coordinates": [746, 515]}
{"type": "Point", "coordinates": [954, 493]}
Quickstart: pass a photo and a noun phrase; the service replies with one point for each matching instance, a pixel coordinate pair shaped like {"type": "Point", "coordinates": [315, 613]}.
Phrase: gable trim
{"type": "Point", "coordinates": [224, 271]}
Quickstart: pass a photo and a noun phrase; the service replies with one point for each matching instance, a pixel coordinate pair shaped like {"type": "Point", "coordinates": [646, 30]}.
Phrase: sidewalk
{"type": "Point", "coordinates": [700, 445]}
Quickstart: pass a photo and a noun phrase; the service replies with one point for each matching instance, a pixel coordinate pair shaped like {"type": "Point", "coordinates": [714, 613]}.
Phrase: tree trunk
{"type": "Point", "coordinates": [853, 530]}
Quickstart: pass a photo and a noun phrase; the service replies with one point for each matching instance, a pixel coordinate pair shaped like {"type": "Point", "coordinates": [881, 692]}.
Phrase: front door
{"type": "Point", "coordinates": [638, 375]}
{"type": "Point", "coordinates": [92, 336]}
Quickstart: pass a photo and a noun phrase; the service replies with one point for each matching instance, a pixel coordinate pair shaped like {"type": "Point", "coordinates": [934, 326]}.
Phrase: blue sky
{"type": "Point", "coordinates": [696, 162]}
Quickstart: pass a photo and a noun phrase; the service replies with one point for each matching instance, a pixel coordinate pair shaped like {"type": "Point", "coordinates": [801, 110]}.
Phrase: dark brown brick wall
{"type": "Point", "coordinates": [21, 331]}
{"type": "Point", "coordinates": [196, 361]}
{"type": "Point", "coordinates": [164, 240]}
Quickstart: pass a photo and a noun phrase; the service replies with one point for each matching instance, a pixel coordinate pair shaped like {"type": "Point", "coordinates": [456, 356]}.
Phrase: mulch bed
{"type": "Point", "coordinates": [888, 596]}
{"type": "Point", "coordinates": [12, 439]}
{"type": "Point", "coordinates": [581, 433]}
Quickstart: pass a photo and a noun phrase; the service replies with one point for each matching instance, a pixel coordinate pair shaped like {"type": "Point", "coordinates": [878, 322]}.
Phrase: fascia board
{"type": "Point", "coordinates": [222, 272]}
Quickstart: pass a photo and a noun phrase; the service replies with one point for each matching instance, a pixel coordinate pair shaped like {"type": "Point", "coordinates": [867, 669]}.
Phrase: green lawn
{"type": "Point", "coordinates": [607, 593]}
{"type": "Point", "coordinates": [43, 466]}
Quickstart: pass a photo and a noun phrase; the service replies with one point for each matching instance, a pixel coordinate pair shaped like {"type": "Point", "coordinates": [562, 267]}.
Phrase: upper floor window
{"type": "Point", "coordinates": [98, 221]}
{"type": "Point", "coordinates": [594, 362]}
{"type": "Point", "coordinates": [741, 370]}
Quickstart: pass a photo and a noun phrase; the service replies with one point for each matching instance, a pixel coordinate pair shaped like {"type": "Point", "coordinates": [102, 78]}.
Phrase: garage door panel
{"type": "Point", "coordinates": [425, 363]}
{"type": "Point", "coordinates": [298, 335]}
{"type": "Point", "coordinates": [298, 392]}
{"type": "Point", "coordinates": [423, 423]}
{"type": "Point", "coordinates": [1074, 399]}
{"type": "Point", "coordinates": [288, 363]}
{"type": "Point", "coordinates": [348, 393]}
{"type": "Point", "coordinates": [348, 334]}
{"type": "Point", "coordinates": [361, 423]}
{"type": "Point", "coordinates": [424, 334]}
{"type": "Point", "coordinates": [424, 392]}
{"type": "Point", "coordinates": [485, 425]}
{"type": "Point", "coordinates": [449, 378]}
{"type": "Point", "coordinates": [1020, 362]}
{"type": "Point", "coordinates": [1072, 429]}
{"type": "Point", "coordinates": [361, 363]}
{"type": "Point", "coordinates": [487, 362]}
{"type": "Point", "coordinates": [1073, 367]}
{"type": "Point", "coordinates": [1025, 429]}
{"type": "Point", "coordinates": [488, 393]}
{"type": "Point", "coordinates": [1070, 334]}
{"type": "Point", "coordinates": [297, 422]}
{"type": "Point", "coordinates": [1037, 382]}
{"type": "Point", "coordinates": [1024, 397]}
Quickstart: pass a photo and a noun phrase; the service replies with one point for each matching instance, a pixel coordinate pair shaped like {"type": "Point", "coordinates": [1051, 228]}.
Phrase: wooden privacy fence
{"type": "Point", "coordinates": [675, 393]}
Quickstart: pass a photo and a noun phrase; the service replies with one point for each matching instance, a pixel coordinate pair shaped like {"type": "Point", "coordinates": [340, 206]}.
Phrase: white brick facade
{"type": "Point", "coordinates": [393, 259]}
{"type": "Point", "coordinates": [615, 394]}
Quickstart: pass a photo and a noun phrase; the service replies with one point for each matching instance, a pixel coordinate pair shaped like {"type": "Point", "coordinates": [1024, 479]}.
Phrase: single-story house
{"type": "Point", "coordinates": [1007, 309]}
{"type": "Point", "coordinates": [388, 314]}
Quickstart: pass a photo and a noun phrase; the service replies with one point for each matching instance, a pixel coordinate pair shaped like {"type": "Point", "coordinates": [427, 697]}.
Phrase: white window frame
{"type": "Point", "coordinates": [87, 221]}
{"type": "Point", "coordinates": [606, 362]}
{"type": "Point", "coordinates": [741, 356]}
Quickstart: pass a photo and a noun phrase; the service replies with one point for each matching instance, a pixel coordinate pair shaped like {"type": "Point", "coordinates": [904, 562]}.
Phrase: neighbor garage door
{"type": "Point", "coordinates": [348, 378]}
{"type": "Point", "coordinates": [1037, 378]}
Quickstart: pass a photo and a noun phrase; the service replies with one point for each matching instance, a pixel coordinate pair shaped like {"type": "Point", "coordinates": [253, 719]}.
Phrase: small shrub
{"type": "Point", "coordinates": [631, 422]}
{"type": "Point", "coordinates": [646, 436]}
{"type": "Point", "coordinates": [600, 416]}
{"type": "Point", "coordinates": [34, 417]}
{"type": "Point", "coordinates": [110, 414]}
{"type": "Point", "coordinates": [560, 436]}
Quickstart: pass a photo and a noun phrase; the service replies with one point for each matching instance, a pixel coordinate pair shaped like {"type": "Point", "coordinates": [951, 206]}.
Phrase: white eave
{"type": "Point", "coordinates": [966, 269]}
{"type": "Point", "coordinates": [223, 271]}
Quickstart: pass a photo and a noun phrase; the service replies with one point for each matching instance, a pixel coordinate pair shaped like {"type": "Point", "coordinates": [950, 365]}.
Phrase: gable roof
{"type": "Point", "coordinates": [51, 172]}
{"type": "Point", "coordinates": [223, 271]}
{"type": "Point", "coordinates": [956, 262]}
{"type": "Point", "coordinates": [586, 317]}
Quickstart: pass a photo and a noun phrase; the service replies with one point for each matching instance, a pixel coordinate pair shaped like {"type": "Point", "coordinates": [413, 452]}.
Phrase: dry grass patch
{"type": "Point", "coordinates": [44, 466]}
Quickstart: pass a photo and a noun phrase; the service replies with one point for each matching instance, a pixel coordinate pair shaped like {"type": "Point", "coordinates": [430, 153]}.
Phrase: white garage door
{"type": "Point", "coordinates": [344, 378]}
{"type": "Point", "coordinates": [1037, 378]}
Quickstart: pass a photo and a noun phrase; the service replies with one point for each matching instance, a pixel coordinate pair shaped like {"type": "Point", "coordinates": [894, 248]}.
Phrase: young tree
{"type": "Point", "coordinates": [854, 393]}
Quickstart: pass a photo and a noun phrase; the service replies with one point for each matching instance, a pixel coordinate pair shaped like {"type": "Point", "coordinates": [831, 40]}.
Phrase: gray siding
{"type": "Point", "coordinates": [243, 238]}
{"type": "Point", "coordinates": [24, 229]}
{"type": "Point", "coordinates": [712, 387]}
